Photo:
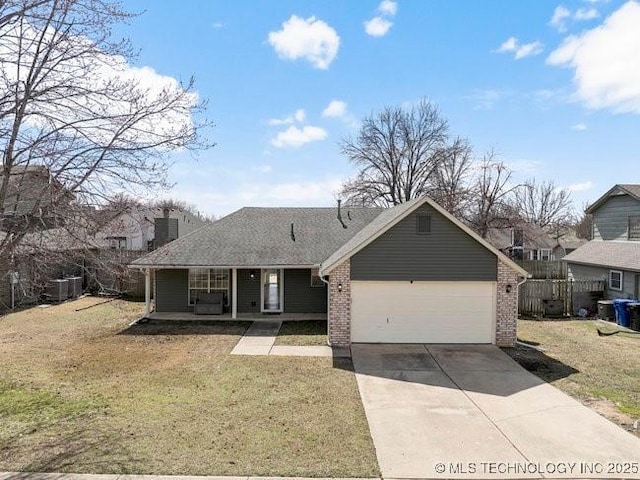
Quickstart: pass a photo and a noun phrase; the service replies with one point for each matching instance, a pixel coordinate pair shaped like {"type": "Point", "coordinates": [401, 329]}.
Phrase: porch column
{"type": "Point", "coordinates": [147, 291]}
{"type": "Point", "coordinates": [234, 293]}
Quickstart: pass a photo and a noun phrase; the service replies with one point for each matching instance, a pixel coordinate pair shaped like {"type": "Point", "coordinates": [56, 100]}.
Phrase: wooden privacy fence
{"type": "Point", "coordinates": [545, 268]}
{"type": "Point", "coordinates": [574, 295]}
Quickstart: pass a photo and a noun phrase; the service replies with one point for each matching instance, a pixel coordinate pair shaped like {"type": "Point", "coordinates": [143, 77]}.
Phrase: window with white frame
{"type": "Point", "coordinates": [615, 280]}
{"type": "Point", "coordinates": [206, 280]}
{"type": "Point", "coordinates": [544, 254]}
{"type": "Point", "coordinates": [117, 243]}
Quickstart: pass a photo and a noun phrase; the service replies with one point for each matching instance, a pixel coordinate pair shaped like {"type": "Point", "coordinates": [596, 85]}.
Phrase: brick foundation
{"type": "Point", "coordinates": [339, 331]}
{"type": "Point", "coordinates": [506, 306]}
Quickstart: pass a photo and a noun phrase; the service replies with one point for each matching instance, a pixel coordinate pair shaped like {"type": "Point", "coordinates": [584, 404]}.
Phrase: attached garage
{"type": "Point", "coordinates": [423, 312]}
{"type": "Point", "coordinates": [418, 275]}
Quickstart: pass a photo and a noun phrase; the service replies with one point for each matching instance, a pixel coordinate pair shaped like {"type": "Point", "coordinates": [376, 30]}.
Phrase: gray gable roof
{"type": "Point", "coordinates": [628, 188]}
{"type": "Point", "coordinates": [253, 237]}
{"type": "Point", "coordinates": [610, 254]}
{"type": "Point", "coordinates": [390, 217]}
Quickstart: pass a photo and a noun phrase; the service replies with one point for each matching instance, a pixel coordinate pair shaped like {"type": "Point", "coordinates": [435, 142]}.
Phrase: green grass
{"type": "Point", "coordinates": [82, 392]}
{"type": "Point", "coordinates": [578, 361]}
{"type": "Point", "coordinates": [307, 332]}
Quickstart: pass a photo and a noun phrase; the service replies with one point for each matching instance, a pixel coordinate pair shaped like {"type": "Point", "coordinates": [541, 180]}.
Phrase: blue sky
{"type": "Point", "coordinates": [553, 87]}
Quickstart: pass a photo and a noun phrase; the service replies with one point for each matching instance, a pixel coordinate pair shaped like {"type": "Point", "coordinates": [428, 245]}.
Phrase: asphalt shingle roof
{"type": "Point", "coordinates": [622, 255]}
{"type": "Point", "coordinates": [262, 236]}
{"type": "Point", "coordinates": [383, 219]}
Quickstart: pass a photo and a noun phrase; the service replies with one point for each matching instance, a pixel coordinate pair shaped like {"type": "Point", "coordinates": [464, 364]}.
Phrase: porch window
{"type": "Point", "coordinates": [206, 280]}
{"type": "Point", "coordinates": [615, 280]}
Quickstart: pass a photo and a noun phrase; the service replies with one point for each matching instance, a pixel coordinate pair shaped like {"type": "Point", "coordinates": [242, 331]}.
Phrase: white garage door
{"type": "Point", "coordinates": [423, 312]}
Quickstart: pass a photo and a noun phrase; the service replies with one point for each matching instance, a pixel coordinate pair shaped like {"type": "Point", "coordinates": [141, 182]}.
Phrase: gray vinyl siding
{"type": "Point", "coordinates": [446, 254]}
{"type": "Point", "coordinates": [248, 291]}
{"type": "Point", "coordinates": [300, 296]}
{"type": "Point", "coordinates": [588, 272]}
{"type": "Point", "coordinates": [172, 290]}
{"type": "Point", "coordinates": [611, 219]}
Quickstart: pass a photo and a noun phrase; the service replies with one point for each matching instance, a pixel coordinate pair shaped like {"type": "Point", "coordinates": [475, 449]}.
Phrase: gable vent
{"type": "Point", "coordinates": [423, 224]}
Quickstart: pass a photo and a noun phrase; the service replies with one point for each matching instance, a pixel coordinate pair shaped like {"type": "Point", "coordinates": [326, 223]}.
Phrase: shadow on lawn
{"type": "Point", "coordinates": [77, 449]}
{"type": "Point", "coordinates": [540, 364]}
{"type": "Point", "coordinates": [186, 327]}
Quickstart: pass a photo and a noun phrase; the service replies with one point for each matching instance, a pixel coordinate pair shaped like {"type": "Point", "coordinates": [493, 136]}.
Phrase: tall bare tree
{"type": "Point", "coordinates": [398, 152]}
{"type": "Point", "coordinates": [543, 203]}
{"type": "Point", "coordinates": [491, 192]}
{"type": "Point", "coordinates": [451, 187]}
{"type": "Point", "coordinates": [73, 109]}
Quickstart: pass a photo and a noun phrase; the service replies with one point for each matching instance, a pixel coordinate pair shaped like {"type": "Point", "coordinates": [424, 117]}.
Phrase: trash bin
{"type": "Point", "coordinates": [622, 312]}
{"type": "Point", "coordinates": [606, 311]}
{"type": "Point", "coordinates": [634, 316]}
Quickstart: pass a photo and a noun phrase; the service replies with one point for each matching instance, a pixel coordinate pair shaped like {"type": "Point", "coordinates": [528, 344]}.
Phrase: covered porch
{"type": "Point", "coordinates": [248, 317]}
{"type": "Point", "coordinates": [250, 293]}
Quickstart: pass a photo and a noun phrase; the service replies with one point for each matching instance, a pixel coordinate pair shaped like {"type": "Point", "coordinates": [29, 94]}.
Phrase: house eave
{"type": "Point", "coordinates": [602, 265]}
{"type": "Point", "coordinates": [170, 266]}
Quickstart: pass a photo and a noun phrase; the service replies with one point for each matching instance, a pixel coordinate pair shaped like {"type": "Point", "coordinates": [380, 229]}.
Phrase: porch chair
{"type": "Point", "coordinates": [209, 303]}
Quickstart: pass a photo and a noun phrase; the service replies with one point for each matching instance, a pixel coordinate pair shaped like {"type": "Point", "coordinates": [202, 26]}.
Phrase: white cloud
{"type": "Point", "coordinates": [524, 166]}
{"type": "Point", "coordinates": [290, 193]}
{"type": "Point", "coordinates": [580, 187]}
{"type": "Point", "coordinates": [387, 7]}
{"type": "Point", "coordinates": [309, 39]}
{"type": "Point", "coordinates": [295, 137]}
{"type": "Point", "coordinates": [377, 26]}
{"type": "Point", "coordinates": [218, 25]}
{"type": "Point", "coordinates": [579, 127]}
{"type": "Point", "coordinates": [605, 61]}
{"type": "Point", "coordinates": [298, 116]}
{"type": "Point", "coordinates": [90, 107]}
{"type": "Point", "coordinates": [335, 109]}
{"type": "Point", "coordinates": [560, 14]}
{"type": "Point", "coordinates": [520, 50]}
{"type": "Point", "coordinates": [586, 14]}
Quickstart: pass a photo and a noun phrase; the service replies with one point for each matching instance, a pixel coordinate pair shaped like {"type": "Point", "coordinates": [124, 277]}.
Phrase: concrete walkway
{"type": "Point", "coordinates": [77, 476]}
{"type": "Point", "coordinates": [260, 337]}
{"type": "Point", "coordinates": [444, 411]}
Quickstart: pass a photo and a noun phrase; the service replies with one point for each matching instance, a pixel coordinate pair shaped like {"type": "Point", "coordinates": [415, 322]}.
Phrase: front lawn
{"type": "Point", "coordinates": [82, 392]}
{"type": "Point", "coordinates": [307, 332]}
{"type": "Point", "coordinates": [603, 372]}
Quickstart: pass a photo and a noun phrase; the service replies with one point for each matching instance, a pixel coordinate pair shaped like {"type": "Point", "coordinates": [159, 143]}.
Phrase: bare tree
{"type": "Point", "coordinates": [398, 152]}
{"type": "Point", "coordinates": [543, 203]}
{"type": "Point", "coordinates": [491, 194]}
{"type": "Point", "coordinates": [451, 187]}
{"type": "Point", "coordinates": [72, 109]}
{"type": "Point", "coordinates": [584, 224]}
{"type": "Point", "coordinates": [78, 124]}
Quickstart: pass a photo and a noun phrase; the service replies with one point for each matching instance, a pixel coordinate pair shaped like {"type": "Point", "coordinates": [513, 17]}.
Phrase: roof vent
{"type": "Point", "coordinates": [423, 224]}
{"type": "Point", "coordinates": [340, 215]}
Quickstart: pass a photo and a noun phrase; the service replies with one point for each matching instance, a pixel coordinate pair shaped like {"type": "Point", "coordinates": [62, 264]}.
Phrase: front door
{"type": "Point", "coordinates": [271, 290]}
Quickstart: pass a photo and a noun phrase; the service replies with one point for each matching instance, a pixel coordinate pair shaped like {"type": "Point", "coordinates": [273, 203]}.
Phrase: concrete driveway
{"type": "Point", "coordinates": [470, 411]}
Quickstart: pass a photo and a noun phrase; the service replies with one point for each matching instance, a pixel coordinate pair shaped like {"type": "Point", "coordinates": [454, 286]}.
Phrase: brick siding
{"type": "Point", "coordinates": [506, 306]}
{"type": "Point", "coordinates": [339, 331]}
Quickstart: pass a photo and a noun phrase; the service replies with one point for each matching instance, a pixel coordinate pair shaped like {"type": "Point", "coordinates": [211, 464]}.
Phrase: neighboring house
{"type": "Point", "coordinates": [614, 253]}
{"type": "Point", "coordinates": [144, 229]}
{"type": "Point", "coordinates": [409, 274]}
{"type": "Point", "coordinates": [32, 199]}
{"type": "Point", "coordinates": [528, 241]}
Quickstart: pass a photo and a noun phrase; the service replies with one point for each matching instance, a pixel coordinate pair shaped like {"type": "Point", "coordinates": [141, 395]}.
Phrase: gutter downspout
{"type": "Point", "coordinates": [328, 303]}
